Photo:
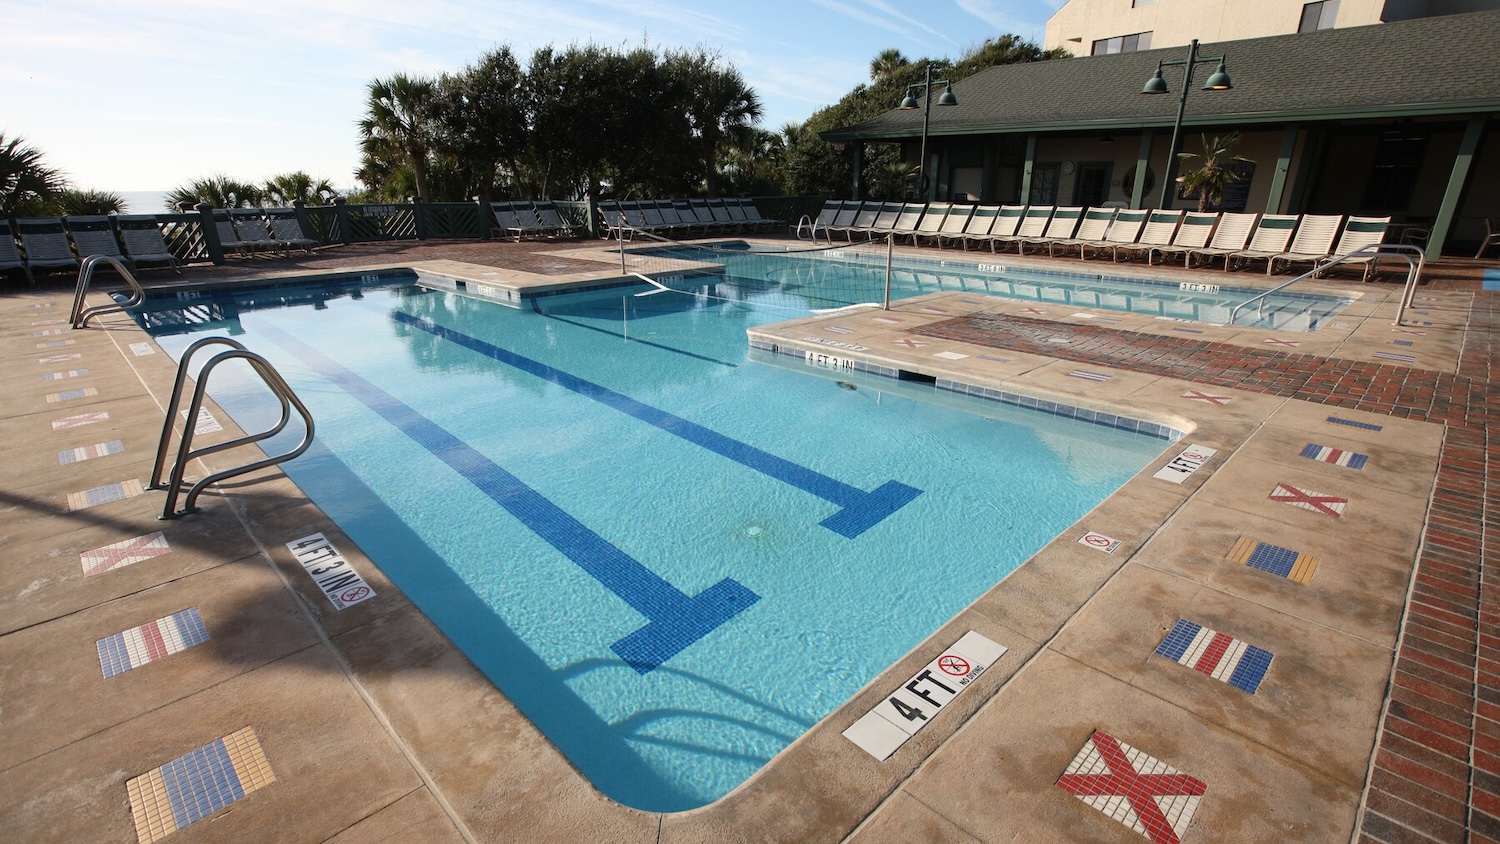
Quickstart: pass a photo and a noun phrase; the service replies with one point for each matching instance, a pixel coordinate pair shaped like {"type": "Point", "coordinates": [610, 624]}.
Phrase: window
{"type": "Point", "coordinates": [1398, 157]}
{"type": "Point", "coordinates": [1317, 16]}
{"type": "Point", "coordinates": [1122, 44]}
{"type": "Point", "coordinates": [1136, 4]}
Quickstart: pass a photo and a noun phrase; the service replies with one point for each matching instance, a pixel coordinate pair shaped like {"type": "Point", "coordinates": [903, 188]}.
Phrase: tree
{"type": "Point", "coordinates": [479, 120]}
{"type": "Point", "coordinates": [28, 187]}
{"type": "Point", "coordinates": [286, 188]}
{"type": "Point", "coordinates": [721, 107]}
{"type": "Point", "coordinates": [1216, 173]}
{"type": "Point", "coordinates": [74, 202]}
{"type": "Point", "coordinates": [217, 190]}
{"type": "Point", "coordinates": [399, 116]}
{"type": "Point", "coordinates": [886, 63]}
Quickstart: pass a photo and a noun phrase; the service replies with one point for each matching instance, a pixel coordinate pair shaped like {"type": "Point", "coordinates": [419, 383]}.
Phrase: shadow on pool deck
{"type": "Point", "coordinates": [375, 727]}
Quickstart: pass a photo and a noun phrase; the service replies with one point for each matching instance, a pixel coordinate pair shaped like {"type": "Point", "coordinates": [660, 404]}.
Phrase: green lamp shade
{"type": "Point", "coordinates": [947, 98]}
{"type": "Point", "coordinates": [1156, 84]}
{"type": "Point", "coordinates": [1219, 81]}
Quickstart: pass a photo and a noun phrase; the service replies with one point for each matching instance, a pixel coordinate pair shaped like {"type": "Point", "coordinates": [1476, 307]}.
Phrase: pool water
{"type": "Point", "coordinates": [830, 278]}
{"type": "Point", "coordinates": [674, 558]}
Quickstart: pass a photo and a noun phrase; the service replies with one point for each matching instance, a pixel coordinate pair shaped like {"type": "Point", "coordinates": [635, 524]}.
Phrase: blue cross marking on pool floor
{"type": "Point", "coordinates": [675, 620]}
{"type": "Point", "coordinates": [859, 510]}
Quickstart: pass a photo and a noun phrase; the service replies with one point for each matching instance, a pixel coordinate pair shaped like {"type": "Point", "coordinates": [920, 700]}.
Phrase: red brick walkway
{"type": "Point", "coordinates": [1437, 765]}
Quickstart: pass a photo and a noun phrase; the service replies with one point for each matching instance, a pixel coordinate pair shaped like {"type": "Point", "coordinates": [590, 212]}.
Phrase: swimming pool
{"type": "Point", "coordinates": [673, 558]}
{"type": "Point", "coordinates": [851, 275]}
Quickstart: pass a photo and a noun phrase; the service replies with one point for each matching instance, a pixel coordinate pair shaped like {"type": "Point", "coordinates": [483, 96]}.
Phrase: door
{"type": "Point", "coordinates": [1091, 186]}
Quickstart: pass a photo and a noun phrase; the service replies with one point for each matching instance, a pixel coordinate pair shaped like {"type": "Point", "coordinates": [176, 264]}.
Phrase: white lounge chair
{"type": "Point", "coordinates": [1192, 234]}
{"type": "Point", "coordinates": [1095, 223]}
{"type": "Point", "coordinates": [1032, 224]}
{"type": "Point", "coordinates": [1005, 222]}
{"type": "Point", "coordinates": [1231, 235]}
{"type": "Point", "coordinates": [954, 223]}
{"type": "Point", "coordinates": [1312, 243]}
{"type": "Point", "coordinates": [1272, 234]}
{"type": "Point", "coordinates": [823, 220]}
{"type": "Point", "coordinates": [1124, 231]}
{"type": "Point", "coordinates": [1359, 233]}
{"type": "Point", "coordinates": [1160, 228]}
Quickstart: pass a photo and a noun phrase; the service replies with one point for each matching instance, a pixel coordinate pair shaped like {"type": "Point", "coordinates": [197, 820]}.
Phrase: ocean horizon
{"type": "Point", "coordinates": [145, 201]}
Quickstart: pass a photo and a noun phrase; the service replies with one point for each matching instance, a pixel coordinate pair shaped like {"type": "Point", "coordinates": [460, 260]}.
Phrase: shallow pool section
{"type": "Point", "coordinates": [835, 277]}
{"type": "Point", "coordinates": [672, 557]}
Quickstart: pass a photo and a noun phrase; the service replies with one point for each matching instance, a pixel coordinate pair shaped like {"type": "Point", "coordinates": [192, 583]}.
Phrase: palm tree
{"type": "Point", "coordinates": [400, 112]}
{"type": "Point", "coordinates": [27, 186]}
{"type": "Point", "coordinates": [1216, 173]}
{"type": "Point", "coordinates": [217, 190]}
{"type": "Point", "coordinates": [723, 109]}
{"type": "Point", "coordinates": [286, 188]}
{"type": "Point", "coordinates": [886, 63]}
{"type": "Point", "coordinates": [90, 202]}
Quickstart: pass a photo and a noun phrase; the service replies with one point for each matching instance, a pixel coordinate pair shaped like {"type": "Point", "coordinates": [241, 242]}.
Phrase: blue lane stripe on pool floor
{"type": "Point", "coordinates": [674, 619]}
{"type": "Point", "coordinates": [859, 511]}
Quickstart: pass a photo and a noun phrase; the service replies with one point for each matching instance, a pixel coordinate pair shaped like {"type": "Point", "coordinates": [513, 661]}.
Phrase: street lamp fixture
{"type": "Point", "coordinates": [1217, 81]}
{"type": "Point", "coordinates": [910, 102]}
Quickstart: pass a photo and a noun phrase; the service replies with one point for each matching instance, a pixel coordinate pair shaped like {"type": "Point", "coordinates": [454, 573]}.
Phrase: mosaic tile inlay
{"type": "Point", "coordinates": [123, 553]}
{"type": "Point", "coordinates": [1224, 658]}
{"type": "Point", "coordinates": [1367, 426]}
{"type": "Point", "coordinates": [72, 395]}
{"type": "Point", "coordinates": [1336, 456]}
{"type": "Point", "coordinates": [1318, 502]}
{"type": "Point", "coordinates": [1282, 562]}
{"type": "Point", "coordinates": [151, 641]}
{"type": "Point", "coordinates": [197, 784]}
{"type": "Point", "coordinates": [89, 452]}
{"type": "Point", "coordinates": [1136, 789]}
{"type": "Point", "coordinates": [81, 419]}
{"type": "Point", "coordinates": [104, 494]}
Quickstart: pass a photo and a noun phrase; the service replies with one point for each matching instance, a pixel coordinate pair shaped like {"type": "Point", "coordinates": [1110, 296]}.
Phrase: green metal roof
{"type": "Point", "coordinates": [1438, 65]}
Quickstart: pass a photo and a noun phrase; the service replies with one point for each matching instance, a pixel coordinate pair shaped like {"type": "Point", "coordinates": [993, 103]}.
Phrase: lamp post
{"type": "Point", "coordinates": [1218, 81]}
{"type": "Point", "coordinates": [910, 102]}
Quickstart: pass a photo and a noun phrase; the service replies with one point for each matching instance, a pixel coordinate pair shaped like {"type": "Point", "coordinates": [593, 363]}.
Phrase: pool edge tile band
{"type": "Point", "coordinates": [675, 620]}
{"type": "Point", "coordinates": [869, 508]}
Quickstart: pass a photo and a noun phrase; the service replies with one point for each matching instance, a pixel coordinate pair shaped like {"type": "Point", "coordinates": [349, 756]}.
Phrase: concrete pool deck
{"type": "Point", "coordinates": [1376, 712]}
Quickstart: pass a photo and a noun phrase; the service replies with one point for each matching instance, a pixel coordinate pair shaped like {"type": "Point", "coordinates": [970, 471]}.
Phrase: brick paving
{"type": "Point", "coordinates": [1436, 775]}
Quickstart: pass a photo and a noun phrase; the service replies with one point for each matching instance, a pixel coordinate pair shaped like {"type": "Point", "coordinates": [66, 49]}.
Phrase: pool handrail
{"type": "Point", "coordinates": [1396, 250]}
{"type": "Point", "coordinates": [185, 451]}
{"type": "Point", "coordinates": [79, 317]}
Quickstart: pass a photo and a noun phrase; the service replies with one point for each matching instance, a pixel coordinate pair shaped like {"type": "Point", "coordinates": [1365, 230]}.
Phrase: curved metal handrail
{"type": "Point", "coordinates": [80, 316]}
{"type": "Point", "coordinates": [185, 451]}
{"type": "Point", "coordinates": [157, 479]}
{"type": "Point", "coordinates": [1413, 272]}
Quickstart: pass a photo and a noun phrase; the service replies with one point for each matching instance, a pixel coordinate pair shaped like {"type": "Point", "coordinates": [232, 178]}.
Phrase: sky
{"type": "Point", "coordinates": [130, 95]}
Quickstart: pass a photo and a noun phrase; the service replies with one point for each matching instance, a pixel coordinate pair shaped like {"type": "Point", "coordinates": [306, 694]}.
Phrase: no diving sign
{"type": "Point", "coordinates": [912, 706]}
{"type": "Point", "coordinates": [1189, 461]}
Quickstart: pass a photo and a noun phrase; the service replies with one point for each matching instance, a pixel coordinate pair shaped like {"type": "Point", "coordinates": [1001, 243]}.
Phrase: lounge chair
{"type": "Point", "coordinates": [1032, 224]}
{"type": "Point", "coordinates": [1272, 234]}
{"type": "Point", "coordinates": [1232, 234]}
{"type": "Point", "coordinates": [722, 216]}
{"type": "Point", "coordinates": [751, 214]}
{"type": "Point", "coordinates": [933, 220]}
{"type": "Point", "coordinates": [229, 237]}
{"type": "Point", "coordinates": [884, 223]}
{"type": "Point", "coordinates": [1161, 226]}
{"type": "Point", "coordinates": [94, 236]}
{"type": "Point", "coordinates": [907, 221]}
{"type": "Point", "coordinates": [288, 231]}
{"type": "Point", "coordinates": [615, 224]}
{"type": "Point", "coordinates": [10, 257]}
{"type": "Point", "coordinates": [651, 213]}
{"type": "Point", "coordinates": [252, 229]}
{"type": "Point", "coordinates": [955, 222]}
{"type": "Point", "coordinates": [1007, 218]}
{"type": "Point", "coordinates": [1123, 231]}
{"type": "Point", "coordinates": [1192, 234]}
{"type": "Point", "coordinates": [1095, 223]}
{"type": "Point", "coordinates": [1491, 237]}
{"type": "Point", "coordinates": [1312, 243]}
{"type": "Point", "coordinates": [863, 220]}
{"type": "Point", "coordinates": [703, 212]}
{"type": "Point", "coordinates": [46, 243]}
{"type": "Point", "coordinates": [1063, 225]}
{"type": "Point", "coordinates": [1359, 233]}
{"type": "Point", "coordinates": [144, 242]}
{"type": "Point", "coordinates": [823, 220]}
{"type": "Point", "coordinates": [551, 221]}
{"type": "Point", "coordinates": [675, 221]}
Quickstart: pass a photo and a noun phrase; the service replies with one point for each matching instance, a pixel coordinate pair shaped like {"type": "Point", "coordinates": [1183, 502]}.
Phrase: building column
{"type": "Point", "coordinates": [1466, 149]}
{"type": "Point", "coordinates": [1283, 167]}
{"type": "Point", "coordinates": [858, 185]}
{"type": "Point", "coordinates": [1026, 169]}
{"type": "Point", "coordinates": [1142, 163]}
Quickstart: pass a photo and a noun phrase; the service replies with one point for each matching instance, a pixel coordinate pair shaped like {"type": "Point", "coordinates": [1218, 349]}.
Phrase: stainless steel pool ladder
{"type": "Point", "coordinates": [185, 451]}
{"type": "Point", "coordinates": [80, 315]}
{"type": "Point", "coordinates": [1384, 250]}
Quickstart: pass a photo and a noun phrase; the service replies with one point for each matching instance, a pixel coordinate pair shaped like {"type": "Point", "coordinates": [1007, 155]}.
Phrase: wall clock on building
{"type": "Point", "coordinates": [1067, 168]}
